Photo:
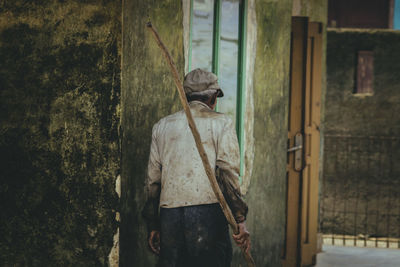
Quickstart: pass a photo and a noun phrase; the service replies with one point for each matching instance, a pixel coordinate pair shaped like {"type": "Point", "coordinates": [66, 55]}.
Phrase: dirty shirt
{"type": "Point", "coordinates": [176, 176]}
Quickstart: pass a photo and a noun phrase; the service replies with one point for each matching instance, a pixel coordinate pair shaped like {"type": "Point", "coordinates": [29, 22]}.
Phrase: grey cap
{"type": "Point", "coordinates": [201, 81]}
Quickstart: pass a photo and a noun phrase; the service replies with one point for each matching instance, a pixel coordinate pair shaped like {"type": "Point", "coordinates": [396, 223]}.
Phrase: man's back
{"type": "Point", "coordinates": [183, 178]}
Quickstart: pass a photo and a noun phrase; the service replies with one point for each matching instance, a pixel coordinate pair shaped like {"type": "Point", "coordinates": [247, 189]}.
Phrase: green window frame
{"type": "Point", "coordinates": [241, 64]}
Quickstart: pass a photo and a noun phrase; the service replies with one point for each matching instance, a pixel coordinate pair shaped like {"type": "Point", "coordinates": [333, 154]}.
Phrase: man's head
{"type": "Point", "coordinates": [202, 86]}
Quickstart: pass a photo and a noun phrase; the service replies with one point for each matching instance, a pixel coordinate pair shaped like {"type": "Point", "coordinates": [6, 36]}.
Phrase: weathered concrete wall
{"type": "Point", "coordinates": [361, 181]}
{"type": "Point", "coordinates": [59, 99]}
{"type": "Point", "coordinates": [148, 94]}
{"type": "Point", "coordinates": [266, 193]}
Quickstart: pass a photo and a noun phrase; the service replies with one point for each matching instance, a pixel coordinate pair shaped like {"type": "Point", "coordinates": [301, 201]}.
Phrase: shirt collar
{"type": "Point", "coordinates": [195, 102]}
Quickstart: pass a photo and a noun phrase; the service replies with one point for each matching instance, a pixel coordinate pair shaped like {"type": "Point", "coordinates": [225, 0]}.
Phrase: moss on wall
{"type": "Point", "coordinates": [266, 194]}
{"type": "Point", "coordinates": [148, 93]}
{"type": "Point", "coordinates": [59, 146]}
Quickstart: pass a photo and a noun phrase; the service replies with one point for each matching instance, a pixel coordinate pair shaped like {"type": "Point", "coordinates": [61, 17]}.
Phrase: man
{"type": "Point", "coordinates": [190, 229]}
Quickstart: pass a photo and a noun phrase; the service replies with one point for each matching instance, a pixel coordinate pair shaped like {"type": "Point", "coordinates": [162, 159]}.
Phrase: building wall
{"type": "Point", "coordinates": [148, 94]}
{"type": "Point", "coordinates": [361, 179]}
{"type": "Point", "coordinates": [59, 146]}
{"type": "Point", "coordinates": [347, 113]}
{"type": "Point", "coordinates": [266, 191]}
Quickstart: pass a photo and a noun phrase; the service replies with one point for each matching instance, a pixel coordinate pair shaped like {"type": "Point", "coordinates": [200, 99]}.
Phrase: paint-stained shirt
{"type": "Point", "coordinates": [176, 175]}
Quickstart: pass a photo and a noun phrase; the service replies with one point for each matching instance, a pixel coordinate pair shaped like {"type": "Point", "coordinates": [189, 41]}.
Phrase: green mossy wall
{"type": "Point", "coordinates": [148, 94]}
{"type": "Point", "coordinates": [266, 195]}
{"type": "Point", "coordinates": [366, 116]}
{"type": "Point", "coordinates": [59, 119]}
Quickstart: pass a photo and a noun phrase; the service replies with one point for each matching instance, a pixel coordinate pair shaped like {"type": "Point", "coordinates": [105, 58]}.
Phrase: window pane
{"type": "Point", "coordinates": [365, 72]}
{"type": "Point", "coordinates": [229, 56]}
{"type": "Point", "coordinates": [202, 34]}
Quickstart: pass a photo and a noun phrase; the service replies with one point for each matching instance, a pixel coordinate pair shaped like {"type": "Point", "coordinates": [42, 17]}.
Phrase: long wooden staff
{"type": "Point", "coordinates": [214, 184]}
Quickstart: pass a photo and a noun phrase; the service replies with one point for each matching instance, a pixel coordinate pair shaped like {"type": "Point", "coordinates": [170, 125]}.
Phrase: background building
{"type": "Point", "coordinates": [361, 192]}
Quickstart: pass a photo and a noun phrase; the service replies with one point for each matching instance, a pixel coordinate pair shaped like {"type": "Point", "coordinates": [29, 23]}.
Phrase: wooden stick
{"type": "Point", "coordinates": [210, 174]}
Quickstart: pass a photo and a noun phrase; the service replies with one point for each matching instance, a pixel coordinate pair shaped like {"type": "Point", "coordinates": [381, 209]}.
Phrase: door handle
{"type": "Point", "coordinates": [298, 151]}
{"type": "Point", "coordinates": [295, 148]}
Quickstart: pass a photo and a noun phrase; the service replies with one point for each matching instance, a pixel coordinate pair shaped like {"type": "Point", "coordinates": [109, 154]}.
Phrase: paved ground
{"type": "Point", "coordinates": [337, 256]}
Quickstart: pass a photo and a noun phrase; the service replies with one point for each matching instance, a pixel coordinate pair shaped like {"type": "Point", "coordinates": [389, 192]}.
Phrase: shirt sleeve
{"type": "Point", "coordinates": [153, 185]}
{"type": "Point", "coordinates": [227, 172]}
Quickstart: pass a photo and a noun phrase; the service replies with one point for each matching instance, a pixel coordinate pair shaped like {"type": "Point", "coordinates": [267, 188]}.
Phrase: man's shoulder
{"type": "Point", "coordinates": [222, 118]}
{"type": "Point", "coordinates": [169, 118]}
{"type": "Point", "coordinates": [172, 117]}
{"type": "Point", "coordinates": [178, 117]}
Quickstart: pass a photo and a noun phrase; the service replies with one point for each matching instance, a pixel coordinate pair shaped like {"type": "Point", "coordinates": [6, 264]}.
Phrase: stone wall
{"type": "Point", "coordinates": [59, 119]}
{"type": "Point", "coordinates": [361, 179]}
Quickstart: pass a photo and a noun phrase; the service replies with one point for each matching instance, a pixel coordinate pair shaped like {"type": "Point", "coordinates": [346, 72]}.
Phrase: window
{"type": "Point", "coordinates": [365, 73]}
{"type": "Point", "coordinates": [217, 44]}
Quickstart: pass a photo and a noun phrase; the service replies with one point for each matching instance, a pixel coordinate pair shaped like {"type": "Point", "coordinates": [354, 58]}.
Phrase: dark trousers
{"type": "Point", "coordinates": [194, 236]}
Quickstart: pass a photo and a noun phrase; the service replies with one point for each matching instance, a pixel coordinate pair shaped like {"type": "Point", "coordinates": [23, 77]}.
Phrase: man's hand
{"type": "Point", "coordinates": [154, 241]}
{"type": "Point", "coordinates": [242, 239]}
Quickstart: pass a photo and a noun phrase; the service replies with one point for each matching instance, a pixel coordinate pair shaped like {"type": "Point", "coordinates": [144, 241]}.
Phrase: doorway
{"type": "Point", "coordinates": [303, 143]}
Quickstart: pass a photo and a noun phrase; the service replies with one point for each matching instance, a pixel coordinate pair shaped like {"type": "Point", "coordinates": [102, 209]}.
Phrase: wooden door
{"type": "Point", "coordinates": [312, 120]}
{"type": "Point", "coordinates": [303, 144]}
